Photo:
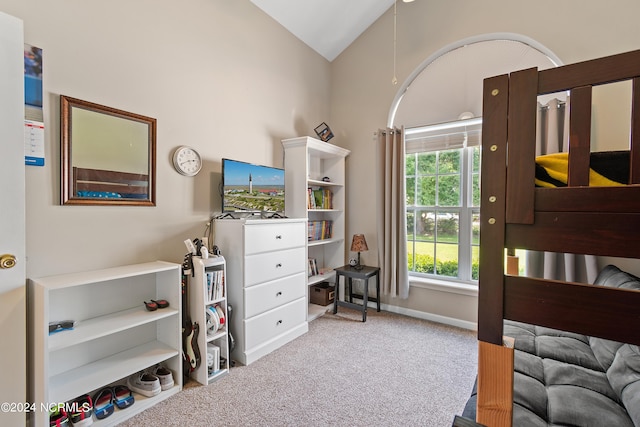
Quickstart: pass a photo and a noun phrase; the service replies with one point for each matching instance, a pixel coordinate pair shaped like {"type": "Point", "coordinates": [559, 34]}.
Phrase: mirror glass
{"type": "Point", "coordinates": [108, 155]}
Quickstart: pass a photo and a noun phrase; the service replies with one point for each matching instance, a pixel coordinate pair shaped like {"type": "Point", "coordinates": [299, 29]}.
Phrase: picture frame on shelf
{"type": "Point", "coordinates": [324, 132]}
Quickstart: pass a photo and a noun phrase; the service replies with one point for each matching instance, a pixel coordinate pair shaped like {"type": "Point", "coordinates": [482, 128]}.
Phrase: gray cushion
{"type": "Point", "coordinates": [604, 351]}
{"type": "Point", "coordinates": [624, 376]}
{"type": "Point", "coordinates": [577, 406]}
{"type": "Point", "coordinates": [567, 379]}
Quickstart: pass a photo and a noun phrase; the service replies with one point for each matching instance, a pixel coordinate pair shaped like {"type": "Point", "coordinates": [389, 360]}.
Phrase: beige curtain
{"type": "Point", "coordinates": [391, 214]}
{"type": "Point", "coordinates": [552, 137]}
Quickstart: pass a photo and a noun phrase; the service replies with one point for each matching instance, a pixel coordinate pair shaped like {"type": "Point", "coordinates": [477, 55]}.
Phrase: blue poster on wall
{"type": "Point", "coordinates": [33, 116]}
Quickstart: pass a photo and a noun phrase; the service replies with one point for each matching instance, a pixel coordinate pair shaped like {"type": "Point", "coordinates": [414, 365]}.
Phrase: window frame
{"type": "Point", "coordinates": [466, 210]}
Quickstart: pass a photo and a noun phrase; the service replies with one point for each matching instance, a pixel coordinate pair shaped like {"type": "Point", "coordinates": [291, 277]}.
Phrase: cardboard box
{"type": "Point", "coordinates": [322, 293]}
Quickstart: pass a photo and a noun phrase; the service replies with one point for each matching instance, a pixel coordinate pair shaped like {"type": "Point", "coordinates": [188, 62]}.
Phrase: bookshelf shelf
{"type": "Point", "coordinates": [319, 183]}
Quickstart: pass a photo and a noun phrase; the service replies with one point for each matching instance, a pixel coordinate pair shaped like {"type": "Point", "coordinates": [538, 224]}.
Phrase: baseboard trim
{"type": "Point", "coordinates": [452, 321]}
{"type": "Point", "coordinates": [473, 326]}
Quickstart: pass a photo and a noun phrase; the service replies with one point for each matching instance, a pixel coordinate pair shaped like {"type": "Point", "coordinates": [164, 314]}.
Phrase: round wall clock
{"type": "Point", "coordinates": [187, 161]}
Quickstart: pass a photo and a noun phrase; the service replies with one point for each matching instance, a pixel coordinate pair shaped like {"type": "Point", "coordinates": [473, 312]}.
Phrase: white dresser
{"type": "Point", "coordinates": [266, 282]}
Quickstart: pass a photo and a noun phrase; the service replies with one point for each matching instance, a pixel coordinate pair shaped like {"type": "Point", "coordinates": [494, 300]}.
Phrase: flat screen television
{"type": "Point", "coordinates": [251, 188]}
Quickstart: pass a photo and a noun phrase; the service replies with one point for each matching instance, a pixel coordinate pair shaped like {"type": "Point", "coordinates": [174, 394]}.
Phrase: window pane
{"type": "Point", "coordinates": [475, 228]}
{"type": "Point", "coordinates": [425, 226]}
{"type": "Point", "coordinates": [426, 191]}
{"type": "Point", "coordinates": [427, 163]}
{"type": "Point", "coordinates": [447, 259]}
{"type": "Point", "coordinates": [410, 221]}
{"type": "Point", "coordinates": [410, 255]}
{"type": "Point", "coordinates": [475, 190]}
{"type": "Point", "coordinates": [449, 190]}
{"type": "Point", "coordinates": [476, 159]}
{"type": "Point", "coordinates": [423, 258]}
{"type": "Point", "coordinates": [449, 161]}
{"type": "Point", "coordinates": [475, 262]}
{"type": "Point", "coordinates": [448, 226]}
{"type": "Point", "coordinates": [410, 164]}
{"type": "Point", "coordinates": [411, 191]}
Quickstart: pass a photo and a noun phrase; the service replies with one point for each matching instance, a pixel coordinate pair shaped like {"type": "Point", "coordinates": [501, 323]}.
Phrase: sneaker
{"type": "Point", "coordinates": [145, 383]}
{"type": "Point", "coordinates": [59, 418]}
{"type": "Point", "coordinates": [165, 376]}
{"type": "Point", "coordinates": [82, 408]}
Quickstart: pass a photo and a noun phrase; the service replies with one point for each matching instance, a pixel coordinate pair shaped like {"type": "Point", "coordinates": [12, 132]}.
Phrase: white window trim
{"type": "Point", "coordinates": [452, 287]}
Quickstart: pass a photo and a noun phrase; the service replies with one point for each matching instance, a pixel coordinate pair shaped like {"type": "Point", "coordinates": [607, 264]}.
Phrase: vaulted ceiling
{"type": "Point", "coordinates": [327, 26]}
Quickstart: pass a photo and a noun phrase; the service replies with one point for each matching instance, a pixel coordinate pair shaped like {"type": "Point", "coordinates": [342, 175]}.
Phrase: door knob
{"type": "Point", "coordinates": [7, 261]}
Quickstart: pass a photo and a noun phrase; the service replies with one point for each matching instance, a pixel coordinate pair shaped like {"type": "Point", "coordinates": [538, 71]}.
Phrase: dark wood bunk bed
{"type": "Point", "coordinates": [578, 219]}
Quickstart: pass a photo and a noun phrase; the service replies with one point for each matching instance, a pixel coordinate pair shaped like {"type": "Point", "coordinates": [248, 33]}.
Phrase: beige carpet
{"type": "Point", "coordinates": [390, 371]}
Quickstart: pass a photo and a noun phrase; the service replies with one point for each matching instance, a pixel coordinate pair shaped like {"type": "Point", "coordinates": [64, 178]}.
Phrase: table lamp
{"type": "Point", "coordinates": [358, 244]}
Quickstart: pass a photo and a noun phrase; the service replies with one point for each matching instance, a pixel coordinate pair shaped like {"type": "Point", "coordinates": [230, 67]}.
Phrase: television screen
{"type": "Point", "coordinates": [251, 188]}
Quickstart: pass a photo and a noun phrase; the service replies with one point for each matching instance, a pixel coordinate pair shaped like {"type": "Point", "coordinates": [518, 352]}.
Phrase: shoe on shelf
{"type": "Point", "coordinates": [82, 408]}
{"type": "Point", "coordinates": [164, 375]}
{"type": "Point", "coordinates": [103, 403]}
{"type": "Point", "coordinates": [122, 396]}
{"type": "Point", "coordinates": [145, 383]}
{"type": "Point", "coordinates": [59, 418]}
{"type": "Point", "coordinates": [161, 303]}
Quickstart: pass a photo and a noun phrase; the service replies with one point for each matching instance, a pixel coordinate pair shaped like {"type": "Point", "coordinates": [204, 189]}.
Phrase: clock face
{"type": "Point", "coordinates": [187, 161]}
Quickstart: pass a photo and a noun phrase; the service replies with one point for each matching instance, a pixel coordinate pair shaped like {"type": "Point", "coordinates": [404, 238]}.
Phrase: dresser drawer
{"type": "Point", "coordinates": [262, 328]}
{"type": "Point", "coordinates": [269, 266]}
{"type": "Point", "coordinates": [271, 237]}
{"type": "Point", "coordinates": [266, 296]}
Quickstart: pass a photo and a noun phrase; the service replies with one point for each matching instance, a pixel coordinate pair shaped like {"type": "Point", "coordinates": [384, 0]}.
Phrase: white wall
{"type": "Point", "coordinates": [362, 91]}
{"type": "Point", "coordinates": [218, 75]}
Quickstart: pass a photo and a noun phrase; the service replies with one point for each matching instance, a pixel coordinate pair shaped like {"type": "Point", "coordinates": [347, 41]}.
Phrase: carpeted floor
{"type": "Point", "coordinates": [392, 370]}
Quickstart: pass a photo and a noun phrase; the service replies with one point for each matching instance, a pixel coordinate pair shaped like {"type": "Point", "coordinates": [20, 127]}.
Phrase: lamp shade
{"type": "Point", "coordinates": [359, 243]}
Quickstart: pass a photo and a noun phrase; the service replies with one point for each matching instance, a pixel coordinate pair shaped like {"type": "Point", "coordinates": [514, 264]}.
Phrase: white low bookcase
{"type": "Point", "coordinates": [114, 335]}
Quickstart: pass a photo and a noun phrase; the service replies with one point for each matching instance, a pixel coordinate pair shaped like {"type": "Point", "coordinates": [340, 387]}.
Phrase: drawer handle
{"type": "Point", "coordinates": [278, 236]}
{"type": "Point", "coordinates": [278, 322]}
{"type": "Point", "coordinates": [278, 265]}
{"type": "Point", "coordinates": [278, 294]}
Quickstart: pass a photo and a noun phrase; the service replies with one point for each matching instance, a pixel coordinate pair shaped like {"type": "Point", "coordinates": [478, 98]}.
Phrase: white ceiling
{"type": "Point", "coordinates": [327, 26]}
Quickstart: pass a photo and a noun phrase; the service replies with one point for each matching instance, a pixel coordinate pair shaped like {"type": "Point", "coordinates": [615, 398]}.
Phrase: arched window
{"type": "Point", "coordinates": [440, 107]}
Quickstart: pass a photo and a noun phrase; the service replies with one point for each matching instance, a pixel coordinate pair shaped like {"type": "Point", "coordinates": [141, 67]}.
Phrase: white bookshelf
{"type": "Point", "coordinates": [307, 161]}
{"type": "Point", "coordinates": [114, 336]}
{"type": "Point", "coordinates": [199, 300]}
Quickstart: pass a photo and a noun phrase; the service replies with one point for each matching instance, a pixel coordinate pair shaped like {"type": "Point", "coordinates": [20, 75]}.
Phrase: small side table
{"type": "Point", "coordinates": [349, 273]}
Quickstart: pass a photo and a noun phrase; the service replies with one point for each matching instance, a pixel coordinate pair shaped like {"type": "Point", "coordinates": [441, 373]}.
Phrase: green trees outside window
{"type": "Point", "coordinates": [443, 215]}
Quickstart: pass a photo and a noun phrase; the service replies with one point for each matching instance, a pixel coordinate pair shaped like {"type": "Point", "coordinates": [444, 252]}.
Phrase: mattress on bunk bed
{"type": "Point", "coordinates": [567, 379]}
{"type": "Point", "coordinates": [607, 168]}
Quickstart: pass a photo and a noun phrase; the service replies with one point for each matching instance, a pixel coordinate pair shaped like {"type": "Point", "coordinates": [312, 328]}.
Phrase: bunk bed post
{"type": "Point", "coordinates": [579, 137]}
{"type": "Point", "coordinates": [523, 105]}
{"type": "Point", "coordinates": [634, 167]}
{"type": "Point", "coordinates": [495, 361]}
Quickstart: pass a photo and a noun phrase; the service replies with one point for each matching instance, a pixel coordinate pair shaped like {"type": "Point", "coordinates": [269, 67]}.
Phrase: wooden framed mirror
{"type": "Point", "coordinates": [108, 156]}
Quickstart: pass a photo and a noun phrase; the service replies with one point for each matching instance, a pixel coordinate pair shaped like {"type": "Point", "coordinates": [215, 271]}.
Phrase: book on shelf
{"type": "Point", "coordinates": [311, 201]}
{"type": "Point", "coordinates": [313, 267]}
{"type": "Point", "coordinates": [319, 229]}
{"type": "Point", "coordinates": [215, 284]}
{"type": "Point", "coordinates": [321, 198]}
